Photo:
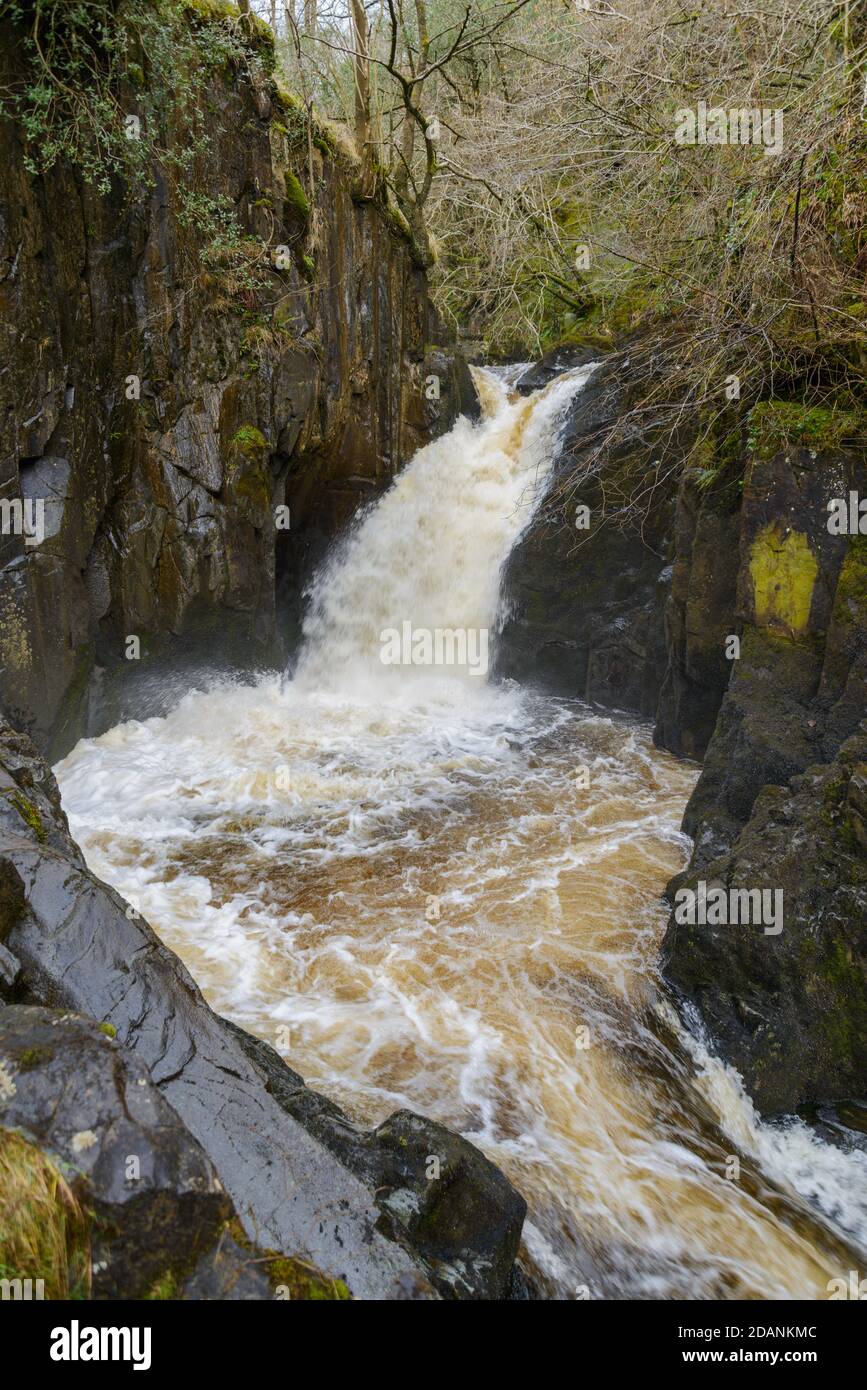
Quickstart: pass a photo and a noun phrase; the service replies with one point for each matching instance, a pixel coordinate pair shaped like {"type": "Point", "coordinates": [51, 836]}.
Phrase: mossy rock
{"type": "Point", "coordinates": [778, 425]}
{"type": "Point", "coordinates": [783, 569]}
{"type": "Point", "coordinates": [260, 34]}
{"type": "Point", "coordinates": [28, 813]}
{"type": "Point", "coordinates": [296, 201]}
{"type": "Point", "coordinates": [250, 441]}
{"type": "Point", "coordinates": [850, 599]}
{"type": "Point", "coordinates": [291, 1278]}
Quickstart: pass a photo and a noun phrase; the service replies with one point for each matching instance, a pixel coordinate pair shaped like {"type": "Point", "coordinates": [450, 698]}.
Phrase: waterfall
{"type": "Point", "coordinates": [427, 558]}
{"type": "Point", "coordinates": [394, 875]}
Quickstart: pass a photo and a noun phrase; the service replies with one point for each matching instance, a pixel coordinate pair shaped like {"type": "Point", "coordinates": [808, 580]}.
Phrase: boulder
{"type": "Point", "coordinates": [92, 1107]}
{"type": "Point", "coordinates": [435, 1191]}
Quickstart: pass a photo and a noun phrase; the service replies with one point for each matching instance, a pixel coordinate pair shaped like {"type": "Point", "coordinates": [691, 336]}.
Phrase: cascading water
{"type": "Point", "coordinates": [431, 891]}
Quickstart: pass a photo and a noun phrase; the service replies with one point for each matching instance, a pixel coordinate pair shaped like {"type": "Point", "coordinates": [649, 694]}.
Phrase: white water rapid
{"type": "Point", "coordinates": [396, 875]}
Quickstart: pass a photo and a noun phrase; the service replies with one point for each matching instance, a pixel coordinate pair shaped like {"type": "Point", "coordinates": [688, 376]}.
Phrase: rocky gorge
{"type": "Point", "coordinates": [202, 441]}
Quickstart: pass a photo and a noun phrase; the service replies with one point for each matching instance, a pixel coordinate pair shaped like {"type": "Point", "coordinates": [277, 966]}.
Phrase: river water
{"type": "Point", "coordinates": [427, 889]}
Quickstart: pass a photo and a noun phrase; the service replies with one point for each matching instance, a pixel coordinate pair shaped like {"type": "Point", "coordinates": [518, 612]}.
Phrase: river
{"type": "Point", "coordinates": [433, 890]}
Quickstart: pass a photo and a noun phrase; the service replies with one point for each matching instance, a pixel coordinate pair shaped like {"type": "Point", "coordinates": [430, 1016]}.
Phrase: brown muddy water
{"type": "Point", "coordinates": [429, 890]}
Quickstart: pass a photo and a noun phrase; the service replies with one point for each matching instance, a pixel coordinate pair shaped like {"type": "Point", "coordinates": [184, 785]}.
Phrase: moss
{"type": "Point", "coordinates": [302, 1281]}
{"type": "Point", "coordinates": [324, 142]}
{"type": "Point", "coordinates": [28, 813]}
{"type": "Point", "coordinates": [400, 226]}
{"type": "Point", "coordinates": [33, 1057]}
{"type": "Point", "coordinates": [44, 1232]}
{"type": "Point", "coordinates": [260, 34]}
{"type": "Point", "coordinates": [777, 425]}
{"type": "Point", "coordinates": [296, 199]}
{"type": "Point", "coordinates": [286, 99]}
{"type": "Point", "coordinates": [783, 569]}
{"type": "Point", "coordinates": [308, 268]}
{"type": "Point", "coordinates": [398, 222]}
{"type": "Point", "coordinates": [163, 1289]}
{"type": "Point", "coordinates": [250, 441]}
{"type": "Point", "coordinates": [253, 485]}
{"type": "Point", "coordinates": [109, 1030]}
{"type": "Point", "coordinates": [850, 598]}
{"type": "Point", "coordinates": [841, 1025]}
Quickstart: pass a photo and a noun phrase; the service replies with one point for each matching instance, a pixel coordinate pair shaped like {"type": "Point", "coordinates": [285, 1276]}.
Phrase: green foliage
{"type": "Point", "coordinates": [777, 425]}
{"type": "Point", "coordinates": [120, 92]}
{"type": "Point", "coordinates": [250, 441]}
{"type": "Point", "coordinates": [296, 198]}
{"type": "Point", "coordinates": [235, 261]}
{"type": "Point", "coordinates": [91, 66]}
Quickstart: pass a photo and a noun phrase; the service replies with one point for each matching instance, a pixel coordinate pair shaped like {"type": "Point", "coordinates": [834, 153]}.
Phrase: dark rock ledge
{"type": "Point", "coordinates": [302, 1179]}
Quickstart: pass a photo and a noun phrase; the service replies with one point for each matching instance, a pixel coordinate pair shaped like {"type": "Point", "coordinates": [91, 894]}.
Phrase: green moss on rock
{"type": "Point", "coordinates": [850, 599]}
{"type": "Point", "coordinates": [296, 199]}
{"type": "Point", "coordinates": [28, 813]}
{"type": "Point", "coordinates": [33, 1057]}
{"type": "Point", "coordinates": [290, 1277]}
{"type": "Point", "coordinates": [250, 441]}
{"type": "Point", "coordinates": [163, 1289]}
{"type": "Point", "coordinates": [778, 425]}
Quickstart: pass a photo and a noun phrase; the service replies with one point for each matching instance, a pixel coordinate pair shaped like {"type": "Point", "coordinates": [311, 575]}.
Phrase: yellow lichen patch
{"type": "Point", "coordinates": [15, 642]}
{"type": "Point", "coordinates": [783, 569]}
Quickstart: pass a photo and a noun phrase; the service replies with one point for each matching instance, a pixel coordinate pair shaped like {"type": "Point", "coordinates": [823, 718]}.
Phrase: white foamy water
{"type": "Point", "coordinates": [430, 891]}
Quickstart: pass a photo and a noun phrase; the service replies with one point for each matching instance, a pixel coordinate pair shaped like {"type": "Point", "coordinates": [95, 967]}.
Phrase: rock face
{"type": "Point", "coordinates": [699, 614]}
{"type": "Point", "coordinates": [779, 803]}
{"type": "Point", "coordinates": [790, 1010]}
{"type": "Point", "coordinates": [585, 607]}
{"type": "Point", "coordinates": [301, 1178]}
{"type": "Point", "coordinates": [799, 687]}
{"type": "Point", "coordinates": [162, 415]}
{"type": "Point", "coordinates": [642, 615]}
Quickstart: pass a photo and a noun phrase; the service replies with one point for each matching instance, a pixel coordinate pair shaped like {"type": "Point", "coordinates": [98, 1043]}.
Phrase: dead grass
{"type": "Point", "coordinates": [44, 1230]}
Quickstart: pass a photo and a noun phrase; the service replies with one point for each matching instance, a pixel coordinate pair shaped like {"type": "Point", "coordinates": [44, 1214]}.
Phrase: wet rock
{"type": "Point", "coordinates": [788, 1010]}
{"type": "Point", "coordinates": [237, 1271]}
{"type": "Point", "coordinates": [10, 968]}
{"type": "Point", "coordinates": [92, 1107]}
{"type": "Point", "coordinates": [435, 1191]}
{"type": "Point", "coordinates": [699, 615]}
{"type": "Point", "coordinates": [229, 1273]}
{"type": "Point", "coordinates": [559, 359]}
{"type": "Point", "coordinates": [585, 606]}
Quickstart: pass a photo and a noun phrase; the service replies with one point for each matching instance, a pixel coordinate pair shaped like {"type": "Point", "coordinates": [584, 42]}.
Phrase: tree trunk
{"type": "Point", "coordinates": [360, 43]}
